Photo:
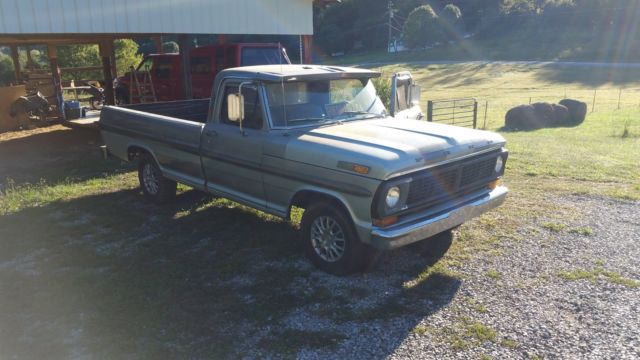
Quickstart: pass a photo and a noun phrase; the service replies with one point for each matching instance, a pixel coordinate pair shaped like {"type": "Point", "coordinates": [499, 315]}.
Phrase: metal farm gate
{"type": "Point", "coordinates": [459, 112]}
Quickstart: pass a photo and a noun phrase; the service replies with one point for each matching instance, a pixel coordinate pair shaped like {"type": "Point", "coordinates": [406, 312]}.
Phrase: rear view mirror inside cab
{"type": "Point", "coordinates": [235, 107]}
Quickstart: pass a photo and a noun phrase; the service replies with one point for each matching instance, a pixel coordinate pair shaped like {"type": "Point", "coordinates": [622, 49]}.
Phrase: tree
{"type": "Point", "coordinates": [7, 74]}
{"type": "Point", "coordinates": [170, 47]}
{"type": "Point", "coordinates": [450, 20]}
{"type": "Point", "coordinates": [127, 55]}
{"type": "Point", "coordinates": [422, 28]}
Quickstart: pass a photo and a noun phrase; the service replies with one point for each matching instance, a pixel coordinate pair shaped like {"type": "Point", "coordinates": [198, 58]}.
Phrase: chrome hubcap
{"type": "Point", "coordinates": [328, 239]}
{"type": "Point", "coordinates": [150, 180]}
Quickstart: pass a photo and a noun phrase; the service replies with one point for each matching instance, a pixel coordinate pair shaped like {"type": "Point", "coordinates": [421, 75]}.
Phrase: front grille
{"type": "Point", "coordinates": [477, 171]}
{"type": "Point", "coordinates": [451, 180]}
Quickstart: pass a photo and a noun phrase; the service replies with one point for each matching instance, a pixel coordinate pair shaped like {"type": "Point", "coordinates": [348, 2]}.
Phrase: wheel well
{"type": "Point", "coordinates": [134, 152]}
{"type": "Point", "coordinates": [305, 198]}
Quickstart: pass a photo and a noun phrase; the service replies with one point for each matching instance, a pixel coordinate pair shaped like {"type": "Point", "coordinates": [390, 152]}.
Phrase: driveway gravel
{"type": "Point", "coordinates": [525, 308]}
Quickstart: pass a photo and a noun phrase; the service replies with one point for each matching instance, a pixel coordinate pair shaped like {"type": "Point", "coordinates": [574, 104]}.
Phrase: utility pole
{"type": "Point", "coordinates": [390, 8]}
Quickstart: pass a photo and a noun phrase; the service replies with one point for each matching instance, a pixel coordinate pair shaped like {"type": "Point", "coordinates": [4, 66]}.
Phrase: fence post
{"type": "Point", "coordinates": [593, 107]}
{"type": "Point", "coordinates": [430, 111]}
{"type": "Point", "coordinates": [619, 98]}
{"type": "Point", "coordinates": [529, 100]}
{"type": "Point", "coordinates": [486, 108]}
{"type": "Point", "coordinates": [475, 114]}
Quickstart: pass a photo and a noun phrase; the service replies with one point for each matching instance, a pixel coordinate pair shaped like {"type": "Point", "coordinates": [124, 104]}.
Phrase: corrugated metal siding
{"type": "Point", "coordinates": [278, 17]}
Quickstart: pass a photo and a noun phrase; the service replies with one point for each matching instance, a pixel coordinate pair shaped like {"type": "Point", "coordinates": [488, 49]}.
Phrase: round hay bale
{"type": "Point", "coordinates": [544, 112]}
{"type": "Point", "coordinates": [577, 111]}
{"type": "Point", "coordinates": [560, 115]}
{"type": "Point", "coordinates": [522, 117]}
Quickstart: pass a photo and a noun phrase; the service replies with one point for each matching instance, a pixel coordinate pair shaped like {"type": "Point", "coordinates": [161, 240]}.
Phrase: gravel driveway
{"type": "Point", "coordinates": [526, 303]}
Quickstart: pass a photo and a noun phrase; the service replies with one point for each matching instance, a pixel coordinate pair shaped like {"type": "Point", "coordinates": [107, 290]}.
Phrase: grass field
{"type": "Point", "coordinates": [88, 269]}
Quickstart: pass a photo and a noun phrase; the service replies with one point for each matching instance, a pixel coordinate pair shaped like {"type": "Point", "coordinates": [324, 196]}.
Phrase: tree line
{"type": "Point", "coordinates": [366, 25]}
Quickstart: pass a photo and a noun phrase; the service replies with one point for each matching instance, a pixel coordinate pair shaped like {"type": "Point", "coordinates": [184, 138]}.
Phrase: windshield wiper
{"type": "Point", "coordinates": [361, 113]}
{"type": "Point", "coordinates": [321, 119]}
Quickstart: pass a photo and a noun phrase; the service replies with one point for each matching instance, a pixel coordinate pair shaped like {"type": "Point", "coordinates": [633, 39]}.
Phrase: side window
{"type": "Point", "coordinates": [253, 114]}
{"type": "Point", "coordinates": [163, 67]}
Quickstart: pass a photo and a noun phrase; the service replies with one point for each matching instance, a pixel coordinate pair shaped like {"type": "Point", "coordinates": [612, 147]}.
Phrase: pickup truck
{"type": "Point", "coordinates": [165, 70]}
{"type": "Point", "coordinates": [275, 137]}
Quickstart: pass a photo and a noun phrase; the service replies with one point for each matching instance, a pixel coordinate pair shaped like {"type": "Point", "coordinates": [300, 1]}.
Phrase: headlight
{"type": "Point", "coordinates": [393, 197]}
{"type": "Point", "coordinates": [499, 164]}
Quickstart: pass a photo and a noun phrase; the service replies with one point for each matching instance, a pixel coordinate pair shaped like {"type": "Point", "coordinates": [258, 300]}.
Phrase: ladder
{"type": "Point", "coordinates": [145, 90]}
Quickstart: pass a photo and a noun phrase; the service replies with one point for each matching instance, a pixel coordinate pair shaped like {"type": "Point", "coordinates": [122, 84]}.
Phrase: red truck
{"type": "Point", "coordinates": [165, 70]}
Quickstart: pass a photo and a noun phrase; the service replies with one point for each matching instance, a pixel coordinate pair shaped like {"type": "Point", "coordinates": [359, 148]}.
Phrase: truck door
{"type": "Point", "coordinates": [405, 97]}
{"type": "Point", "coordinates": [232, 152]}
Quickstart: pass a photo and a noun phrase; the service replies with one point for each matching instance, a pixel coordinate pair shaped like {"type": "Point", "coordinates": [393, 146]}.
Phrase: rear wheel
{"type": "Point", "coordinates": [155, 186]}
{"type": "Point", "coordinates": [331, 242]}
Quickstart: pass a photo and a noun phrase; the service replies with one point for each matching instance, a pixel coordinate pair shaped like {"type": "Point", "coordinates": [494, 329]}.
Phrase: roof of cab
{"type": "Point", "coordinates": [298, 72]}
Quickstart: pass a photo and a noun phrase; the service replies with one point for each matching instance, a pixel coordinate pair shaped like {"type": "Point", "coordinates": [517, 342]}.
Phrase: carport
{"type": "Point", "coordinates": [64, 22]}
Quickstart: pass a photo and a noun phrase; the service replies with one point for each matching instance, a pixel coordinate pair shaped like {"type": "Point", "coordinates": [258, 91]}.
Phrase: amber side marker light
{"type": "Point", "coordinates": [384, 222]}
{"type": "Point", "coordinates": [494, 184]}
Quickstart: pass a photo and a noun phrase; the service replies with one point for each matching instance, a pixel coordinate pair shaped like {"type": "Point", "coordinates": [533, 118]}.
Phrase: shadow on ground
{"type": "Point", "coordinates": [109, 276]}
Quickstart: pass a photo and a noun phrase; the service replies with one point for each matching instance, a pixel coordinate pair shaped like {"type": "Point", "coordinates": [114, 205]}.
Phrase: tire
{"type": "Point", "coordinates": [155, 187]}
{"type": "Point", "coordinates": [96, 103]}
{"type": "Point", "coordinates": [436, 246]}
{"type": "Point", "coordinates": [121, 97]}
{"type": "Point", "coordinates": [331, 242]}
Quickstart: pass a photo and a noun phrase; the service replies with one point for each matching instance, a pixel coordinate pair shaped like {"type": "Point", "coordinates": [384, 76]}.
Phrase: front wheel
{"type": "Point", "coordinates": [155, 186]}
{"type": "Point", "coordinates": [331, 242]}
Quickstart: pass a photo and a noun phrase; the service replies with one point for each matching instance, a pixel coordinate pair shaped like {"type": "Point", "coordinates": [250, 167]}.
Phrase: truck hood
{"type": "Point", "coordinates": [389, 146]}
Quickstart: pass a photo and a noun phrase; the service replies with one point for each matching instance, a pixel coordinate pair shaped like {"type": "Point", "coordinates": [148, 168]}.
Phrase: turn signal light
{"type": "Point", "coordinates": [384, 222]}
{"type": "Point", "coordinates": [494, 184]}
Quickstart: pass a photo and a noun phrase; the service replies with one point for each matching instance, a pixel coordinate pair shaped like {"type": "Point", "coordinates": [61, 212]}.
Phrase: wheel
{"type": "Point", "coordinates": [155, 187]}
{"type": "Point", "coordinates": [436, 246]}
{"type": "Point", "coordinates": [96, 103]}
{"type": "Point", "coordinates": [121, 97]}
{"type": "Point", "coordinates": [331, 242]}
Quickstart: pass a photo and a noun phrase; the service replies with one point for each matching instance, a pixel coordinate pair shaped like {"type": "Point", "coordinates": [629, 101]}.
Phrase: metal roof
{"type": "Point", "coordinates": [298, 72]}
{"type": "Point", "coordinates": [277, 17]}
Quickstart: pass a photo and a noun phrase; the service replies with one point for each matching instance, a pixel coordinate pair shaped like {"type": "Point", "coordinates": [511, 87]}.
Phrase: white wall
{"type": "Point", "coordinates": [279, 17]}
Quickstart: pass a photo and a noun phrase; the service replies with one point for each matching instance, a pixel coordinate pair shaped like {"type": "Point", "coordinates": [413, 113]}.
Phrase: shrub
{"type": "Point", "coordinates": [422, 28]}
{"type": "Point", "coordinates": [383, 88]}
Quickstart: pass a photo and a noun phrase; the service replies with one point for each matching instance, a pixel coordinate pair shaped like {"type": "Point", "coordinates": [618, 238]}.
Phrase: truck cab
{"type": "Point", "coordinates": [166, 74]}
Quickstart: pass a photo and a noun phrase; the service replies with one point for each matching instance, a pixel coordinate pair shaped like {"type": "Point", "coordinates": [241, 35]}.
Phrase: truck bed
{"type": "Point", "coordinates": [193, 110]}
{"type": "Point", "coordinates": [169, 130]}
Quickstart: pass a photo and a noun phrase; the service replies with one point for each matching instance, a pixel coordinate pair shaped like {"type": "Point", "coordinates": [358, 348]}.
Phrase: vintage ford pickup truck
{"type": "Point", "coordinates": [319, 138]}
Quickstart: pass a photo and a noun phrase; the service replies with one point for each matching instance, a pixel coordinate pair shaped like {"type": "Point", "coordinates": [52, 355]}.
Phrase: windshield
{"type": "Point", "coordinates": [307, 103]}
{"type": "Point", "coordinates": [262, 56]}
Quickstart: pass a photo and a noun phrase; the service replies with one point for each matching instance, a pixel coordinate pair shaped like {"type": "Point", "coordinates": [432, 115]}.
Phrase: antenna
{"type": "Point", "coordinates": [284, 107]}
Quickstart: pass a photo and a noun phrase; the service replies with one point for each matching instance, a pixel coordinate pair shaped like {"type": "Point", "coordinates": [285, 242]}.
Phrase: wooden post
{"type": "Point", "coordinates": [619, 98]}
{"type": "Point", "coordinates": [593, 108]}
{"type": "Point", "coordinates": [486, 109]}
{"type": "Point", "coordinates": [106, 51]}
{"type": "Point", "coordinates": [308, 47]}
{"type": "Point", "coordinates": [52, 54]}
{"type": "Point", "coordinates": [15, 56]}
{"type": "Point", "coordinates": [184, 42]}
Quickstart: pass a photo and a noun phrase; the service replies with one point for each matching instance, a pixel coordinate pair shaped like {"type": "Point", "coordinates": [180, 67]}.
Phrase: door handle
{"type": "Point", "coordinates": [211, 133]}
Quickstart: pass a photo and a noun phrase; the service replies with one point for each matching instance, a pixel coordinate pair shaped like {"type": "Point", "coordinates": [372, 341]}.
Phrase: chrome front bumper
{"type": "Point", "coordinates": [420, 229]}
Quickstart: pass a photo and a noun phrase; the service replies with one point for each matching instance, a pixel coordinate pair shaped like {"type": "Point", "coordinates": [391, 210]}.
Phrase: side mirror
{"type": "Point", "coordinates": [415, 92]}
{"type": "Point", "coordinates": [235, 107]}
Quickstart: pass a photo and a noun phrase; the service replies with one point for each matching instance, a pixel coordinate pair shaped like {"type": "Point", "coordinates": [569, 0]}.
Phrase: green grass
{"type": "Point", "coordinates": [554, 227]}
{"type": "Point", "coordinates": [583, 231]}
{"type": "Point", "coordinates": [494, 274]}
{"type": "Point", "coordinates": [599, 273]}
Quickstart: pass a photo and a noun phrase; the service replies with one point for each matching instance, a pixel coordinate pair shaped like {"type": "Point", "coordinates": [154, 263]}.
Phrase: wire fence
{"type": "Point", "coordinates": [493, 103]}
